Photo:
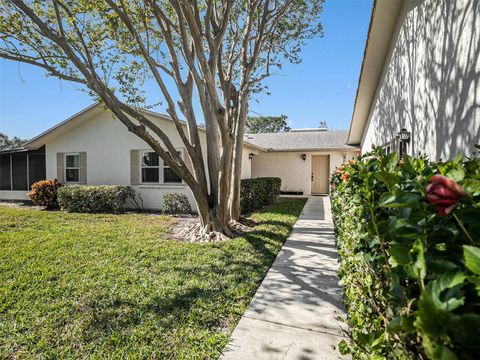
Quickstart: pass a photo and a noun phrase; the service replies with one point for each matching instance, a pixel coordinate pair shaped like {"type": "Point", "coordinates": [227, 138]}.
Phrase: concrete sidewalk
{"type": "Point", "coordinates": [293, 314]}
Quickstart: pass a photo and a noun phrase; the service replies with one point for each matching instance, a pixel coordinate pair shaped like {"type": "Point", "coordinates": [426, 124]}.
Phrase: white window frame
{"type": "Point", "coordinates": [71, 167]}
{"type": "Point", "coordinates": [180, 152]}
{"type": "Point", "coordinates": [161, 166]}
{"type": "Point", "coordinates": [141, 167]}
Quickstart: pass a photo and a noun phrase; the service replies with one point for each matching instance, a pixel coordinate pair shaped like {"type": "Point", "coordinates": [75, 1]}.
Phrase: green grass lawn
{"type": "Point", "coordinates": [111, 286]}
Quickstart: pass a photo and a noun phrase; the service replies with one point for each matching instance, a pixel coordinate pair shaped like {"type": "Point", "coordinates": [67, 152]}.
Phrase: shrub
{"type": "Point", "coordinates": [408, 234]}
{"type": "Point", "coordinates": [258, 192]}
{"type": "Point", "coordinates": [94, 199]}
{"type": "Point", "coordinates": [176, 203]}
{"type": "Point", "coordinates": [44, 193]}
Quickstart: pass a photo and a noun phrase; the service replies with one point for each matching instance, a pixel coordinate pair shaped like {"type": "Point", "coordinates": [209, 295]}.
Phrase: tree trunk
{"type": "Point", "coordinates": [234, 201]}
{"type": "Point", "coordinates": [214, 218]}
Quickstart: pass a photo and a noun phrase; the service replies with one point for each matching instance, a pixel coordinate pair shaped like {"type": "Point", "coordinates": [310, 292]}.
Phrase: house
{"type": "Point", "coordinates": [94, 148]}
{"type": "Point", "coordinates": [302, 158]}
{"type": "Point", "coordinates": [419, 87]}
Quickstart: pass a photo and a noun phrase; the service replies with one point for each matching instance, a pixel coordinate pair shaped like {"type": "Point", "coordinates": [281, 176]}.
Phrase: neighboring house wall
{"type": "Point", "coordinates": [246, 162]}
{"type": "Point", "coordinates": [431, 81]}
{"type": "Point", "coordinates": [292, 169]}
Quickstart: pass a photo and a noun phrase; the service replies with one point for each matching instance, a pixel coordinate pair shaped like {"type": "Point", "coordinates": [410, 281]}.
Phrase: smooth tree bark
{"type": "Point", "coordinates": [211, 55]}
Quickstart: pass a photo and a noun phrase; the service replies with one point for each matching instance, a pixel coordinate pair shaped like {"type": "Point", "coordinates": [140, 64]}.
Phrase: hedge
{"type": "Point", "coordinates": [94, 199]}
{"type": "Point", "coordinates": [258, 192]}
{"type": "Point", "coordinates": [176, 203]}
{"type": "Point", "coordinates": [408, 233]}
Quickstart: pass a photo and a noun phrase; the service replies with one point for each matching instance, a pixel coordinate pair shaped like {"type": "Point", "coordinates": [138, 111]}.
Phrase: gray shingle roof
{"type": "Point", "coordinates": [301, 140]}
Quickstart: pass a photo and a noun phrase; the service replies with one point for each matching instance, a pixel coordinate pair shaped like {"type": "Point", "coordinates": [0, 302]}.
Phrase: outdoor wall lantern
{"type": "Point", "coordinates": [304, 157]}
{"type": "Point", "coordinates": [404, 137]}
{"type": "Point", "coordinates": [250, 156]}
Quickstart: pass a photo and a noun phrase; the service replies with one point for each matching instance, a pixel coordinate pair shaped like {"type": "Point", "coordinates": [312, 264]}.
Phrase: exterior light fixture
{"type": "Point", "coordinates": [304, 157]}
{"type": "Point", "coordinates": [404, 135]}
{"type": "Point", "coordinates": [250, 156]}
{"type": "Point", "coordinates": [404, 139]}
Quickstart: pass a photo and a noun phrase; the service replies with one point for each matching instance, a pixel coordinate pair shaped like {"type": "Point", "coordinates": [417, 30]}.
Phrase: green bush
{"type": "Point", "coordinates": [258, 192]}
{"type": "Point", "coordinates": [44, 193]}
{"type": "Point", "coordinates": [408, 233]}
{"type": "Point", "coordinates": [94, 199]}
{"type": "Point", "coordinates": [176, 203]}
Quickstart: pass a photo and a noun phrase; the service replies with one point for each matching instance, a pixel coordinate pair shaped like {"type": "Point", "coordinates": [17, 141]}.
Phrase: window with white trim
{"type": "Point", "coordinates": [72, 168]}
{"type": "Point", "coordinates": [169, 177]}
{"type": "Point", "coordinates": [154, 171]}
{"type": "Point", "coordinates": [149, 167]}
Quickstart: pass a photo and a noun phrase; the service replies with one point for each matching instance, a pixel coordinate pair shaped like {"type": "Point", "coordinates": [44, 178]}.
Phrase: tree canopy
{"type": "Point", "coordinates": [10, 143]}
{"type": "Point", "coordinates": [266, 124]}
{"type": "Point", "coordinates": [212, 52]}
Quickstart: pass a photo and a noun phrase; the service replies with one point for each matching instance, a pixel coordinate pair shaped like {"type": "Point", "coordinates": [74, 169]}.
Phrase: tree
{"type": "Point", "coordinates": [323, 124]}
{"type": "Point", "coordinates": [216, 52]}
{"type": "Point", "coordinates": [7, 143]}
{"type": "Point", "coordinates": [266, 124]}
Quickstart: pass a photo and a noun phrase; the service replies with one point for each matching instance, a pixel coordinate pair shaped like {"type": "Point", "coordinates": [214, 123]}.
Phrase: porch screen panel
{"type": "Point", "coordinates": [36, 168]}
{"type": "Point", "coordinates": [19, 170]}
{"type": "Point", "coordinates": [5, 172]}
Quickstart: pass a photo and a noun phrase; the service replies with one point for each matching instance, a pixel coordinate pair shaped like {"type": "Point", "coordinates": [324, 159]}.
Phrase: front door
{"type": "Point", "coordinates": [320, 171]}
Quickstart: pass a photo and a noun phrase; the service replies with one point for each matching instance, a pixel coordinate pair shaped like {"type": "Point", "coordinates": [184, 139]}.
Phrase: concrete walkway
{"type": "Point", "coordinates": [293, 314]}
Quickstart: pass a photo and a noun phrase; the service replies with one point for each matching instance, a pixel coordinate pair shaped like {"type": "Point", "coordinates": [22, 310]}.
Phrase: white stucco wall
{"type": "Point", "coordinates": [292, 169]}
{"type": "Point", "coordinates": [431, 81]}
{"type": "Point", "coordinates": [108, 144]}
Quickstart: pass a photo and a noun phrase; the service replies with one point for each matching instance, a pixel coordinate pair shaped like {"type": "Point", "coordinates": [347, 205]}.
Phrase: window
{"type": "Point", "coordinates": [72, 168]}
{"type": "Point", "coordinates": [169, 177]}
{"type": "Point", "coordinates": [150, 165]}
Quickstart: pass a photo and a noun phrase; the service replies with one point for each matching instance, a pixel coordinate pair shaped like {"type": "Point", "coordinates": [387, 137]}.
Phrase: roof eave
{"type": "Point", "coordinates": [381, 30]}
{"type": "Point", "coordinates": [346, 148]}
{"type": "Point", "coordinates": [37, 142]}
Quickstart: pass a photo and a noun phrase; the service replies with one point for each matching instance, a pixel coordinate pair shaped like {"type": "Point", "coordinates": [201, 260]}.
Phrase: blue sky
{"type": "Point", "coordinates": [323, 87]}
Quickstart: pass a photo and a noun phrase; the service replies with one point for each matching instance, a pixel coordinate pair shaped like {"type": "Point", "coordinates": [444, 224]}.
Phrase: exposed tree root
{"type": "Point", "coordinates": [205, 234]}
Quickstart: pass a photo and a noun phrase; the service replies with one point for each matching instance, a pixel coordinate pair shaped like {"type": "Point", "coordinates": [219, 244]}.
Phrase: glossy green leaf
{"type": "Point", "coordinates": [472, 258]}
{"type": "Point", "coordinates": [399, 199]}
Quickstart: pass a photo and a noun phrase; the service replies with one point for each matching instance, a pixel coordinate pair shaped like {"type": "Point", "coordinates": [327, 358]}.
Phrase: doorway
{"type": "Point", "coordinates": [320, 172]}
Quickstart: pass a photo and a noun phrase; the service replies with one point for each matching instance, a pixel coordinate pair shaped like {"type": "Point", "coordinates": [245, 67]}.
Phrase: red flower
{"type": "Point", "coordinates": [345, 177]}
{"type": "Point", "coordinates": [444, 193]}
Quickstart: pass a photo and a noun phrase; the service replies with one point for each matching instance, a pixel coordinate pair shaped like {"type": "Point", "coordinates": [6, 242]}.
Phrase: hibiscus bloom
{"type": "Point", "coordinates": [444, 193]}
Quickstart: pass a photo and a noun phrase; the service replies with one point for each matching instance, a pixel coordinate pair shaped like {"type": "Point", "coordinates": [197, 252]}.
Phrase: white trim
{"type": "Point", "coordinates": [163, 172]}
{"type": "Point", "coordinates": [28, 172]}
{"type": "Point", "coordinates": [162, 186]}
{"type": "Point", "coordinates": [161, 166]}
{"type": "Point", "coordinates": [65, 167]}
{"type": "Point", "coordinates": [11, 173]}
{"type": "Point", "coordinates": [141, 153]}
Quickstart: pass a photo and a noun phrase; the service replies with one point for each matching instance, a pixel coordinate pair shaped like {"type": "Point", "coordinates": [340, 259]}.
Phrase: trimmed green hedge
{"type": "Point", "coordinates": [258, 192]}
{"type": "Point", "coordinates": [94, 199]}
{"type": "Point", "coordinates": [176, 203]}
{"type": "Point", "coordinates": [408, 233]}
